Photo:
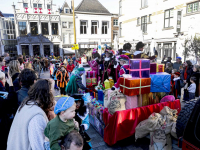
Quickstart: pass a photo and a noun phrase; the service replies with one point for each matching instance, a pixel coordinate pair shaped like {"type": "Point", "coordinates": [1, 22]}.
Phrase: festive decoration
{"type": "Point", "coordinates": [160, 67]}
{"type": "Point", "coordinates": [153, 68]}
{"type": "Point", "coordinates": [160, 82]}
{"type": "Point", "coordinates": [135, 86]}
{"type": "Point", "coordinates": [139, 68]}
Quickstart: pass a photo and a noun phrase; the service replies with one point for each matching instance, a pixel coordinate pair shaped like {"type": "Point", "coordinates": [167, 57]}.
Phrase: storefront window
{"type": "Point", "coordinates": [25, 50]}
{"type": "Point", "coordinates": [36, 50]}
{"type": "Point", "coordinates": [11, 50]}
{"type": "Point", "coordinates": [46, 50]}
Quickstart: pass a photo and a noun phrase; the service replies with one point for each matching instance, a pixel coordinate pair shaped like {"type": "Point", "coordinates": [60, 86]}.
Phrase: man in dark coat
{"type": "Point", "coordinates": [27, 79]}
{"type": "Point", "coordinates": [139, 52]}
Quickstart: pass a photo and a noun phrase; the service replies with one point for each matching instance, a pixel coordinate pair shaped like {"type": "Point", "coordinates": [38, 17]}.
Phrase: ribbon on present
{"type": "Point", "coordinates": [134, 87]}
{"type": "Point", "coordinates": [94, 74]}
{"type": "Point", "coordinates": [140, 66]}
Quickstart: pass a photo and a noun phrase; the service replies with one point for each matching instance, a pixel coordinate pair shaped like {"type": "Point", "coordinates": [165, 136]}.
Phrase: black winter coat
{"type": "Point", "coordinates": [8, 108]}
{"type": "Point", "coordinates": [189, 74]}
{"type": "Point", "coordinates": [197, 76]}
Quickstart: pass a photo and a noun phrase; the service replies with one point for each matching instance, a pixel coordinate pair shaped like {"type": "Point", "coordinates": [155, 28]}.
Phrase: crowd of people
{"type": "Point", "coordinates": [30, 118]}
{"type": "Point", "coordinates": [27, 114]}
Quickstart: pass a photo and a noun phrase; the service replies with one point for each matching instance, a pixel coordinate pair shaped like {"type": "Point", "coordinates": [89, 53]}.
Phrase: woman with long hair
{"type": "Point", "coordinates": [14, 72]}
{"type": "Point", "coordinates": [27, 130]}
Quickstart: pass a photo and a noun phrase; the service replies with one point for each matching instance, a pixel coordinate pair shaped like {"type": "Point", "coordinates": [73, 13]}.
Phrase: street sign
{"type": "Point", "coordinates": [75, 46]}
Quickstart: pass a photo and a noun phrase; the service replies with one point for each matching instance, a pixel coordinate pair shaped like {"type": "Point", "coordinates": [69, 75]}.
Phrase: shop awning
{"type": "Point", "coordinates": [68, 51]}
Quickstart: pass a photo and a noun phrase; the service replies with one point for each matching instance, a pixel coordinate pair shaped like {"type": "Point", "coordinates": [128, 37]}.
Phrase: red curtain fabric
{"type": "Point", "coordinates": [122, 124]}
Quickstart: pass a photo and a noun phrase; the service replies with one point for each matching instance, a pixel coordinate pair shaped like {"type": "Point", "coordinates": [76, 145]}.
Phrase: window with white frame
{"type": "Point", "coordinates": [65, 38]}
{"type": "Point", "coordinates": [105, 27]}
{"type": "Point", "coordinates": [34, 28]}
{"type": "Point", "coordinates": [144, 3]}
{"type": "Point", "coordinates": [71, 25]}
{"type": "Point", "coordinates": [138, 21]}
{"type": "Point", "coordinates": [169, 15]}
{"type": "Point", "coordinates": [71, 38]}
{"type": "Point", "coordinates": [115, 22]}
{"type": "Point", "coordinates": [64, 24]}
{"type": "Point", "coordinates": [144, 24]}
{"type": "Point", "coordinates": [120, 7]}
{"type": "Point", "coordinates": [45, 28]}
{"type": "Point", "coordinates": [94, 27]}
{"type": "Point", "coordinates": [48, 6]}
{"type": "Point", "coordinates": [54, 27]}
{"type": "Point", "coordinates": [22, 28]}
{"type": "Point", "coordinates": [66, 10]}
{"type": "Point", "coordinates": [34, 5]}
{"type": "Point", "coordinates": [193, 7]}
{"type": "Point", "coordinates": [25, 5]}
{"type": "Point", "coordinates": [83, 27]}
{"type": "Point", "coordinates": [150, 18]}
{"type": "Point", "coordinates": [39, 5]}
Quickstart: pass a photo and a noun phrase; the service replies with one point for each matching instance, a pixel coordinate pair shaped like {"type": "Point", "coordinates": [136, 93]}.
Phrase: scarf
{"type": "Point", "coordinates": [185, 73]}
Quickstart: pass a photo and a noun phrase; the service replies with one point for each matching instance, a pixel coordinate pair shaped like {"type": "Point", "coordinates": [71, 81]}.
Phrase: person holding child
{"type": "Point", "coordinates": [62, 124]}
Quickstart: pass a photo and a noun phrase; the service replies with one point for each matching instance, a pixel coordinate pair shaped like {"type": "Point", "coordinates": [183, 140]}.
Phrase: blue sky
{"type": "Point", "coordinates": [111, 5]}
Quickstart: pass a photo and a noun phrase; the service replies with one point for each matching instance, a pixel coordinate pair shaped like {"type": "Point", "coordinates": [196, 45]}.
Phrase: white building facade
{"type": "Point", "coordinates": [38, 28]}
{"type": "Point", "coordinates": [168, 22]}
{"type": "Point", "coordinates": [67, 28]}
{"type": "Point", "coordinates": [93, 25]}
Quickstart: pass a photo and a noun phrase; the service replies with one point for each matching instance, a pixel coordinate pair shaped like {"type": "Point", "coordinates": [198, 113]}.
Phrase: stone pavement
{"type": "Point", "coordinates": [126, 144]}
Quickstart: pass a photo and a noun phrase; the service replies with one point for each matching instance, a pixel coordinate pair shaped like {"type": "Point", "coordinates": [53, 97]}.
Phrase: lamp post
{"type": "Point", "coordinates": [74, 23]}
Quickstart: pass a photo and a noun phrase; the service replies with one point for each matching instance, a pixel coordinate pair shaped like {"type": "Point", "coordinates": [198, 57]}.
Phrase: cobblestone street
{"type": "Point", "coordinates": [126, 144]}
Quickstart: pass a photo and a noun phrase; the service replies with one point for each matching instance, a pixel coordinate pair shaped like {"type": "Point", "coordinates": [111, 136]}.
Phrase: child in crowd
{"type": "Point", "coordinates": [62, 78]}
{"type": "Point", "coordinates": [177, 85]}
{"type": "Point", "coordinates": [192, 88]}
{"type": "Point", "coordinates": [73, 141]}
{"type": "Point", "coordinates": [172, 80]}
{"type": "Point", "coordinates": [62, 124]}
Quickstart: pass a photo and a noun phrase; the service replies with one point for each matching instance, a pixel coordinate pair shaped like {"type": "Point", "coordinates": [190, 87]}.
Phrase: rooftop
{"type": "Point", "coordinates": [93, 6]}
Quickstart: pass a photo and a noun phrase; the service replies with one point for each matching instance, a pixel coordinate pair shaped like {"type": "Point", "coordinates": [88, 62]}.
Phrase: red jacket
{"type": "Point", "coordinates": [70, 68]}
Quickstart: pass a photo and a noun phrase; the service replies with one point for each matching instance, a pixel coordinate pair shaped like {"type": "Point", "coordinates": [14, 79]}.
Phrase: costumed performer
{"type": "Point", "coordinates": [126, 50]}
{"type": "Point", "coordinates": [62, 78]}
{"type": "Point", "coordinates": [75, 81]}
{"type": "Point", "coordinates": [139, 52]}
{"type": "Point", "coordinates": [94, 63]}
{"type": "Point", "coordinates": [82, 117]}
{"type": "Point", "coordinates": [123, 60]}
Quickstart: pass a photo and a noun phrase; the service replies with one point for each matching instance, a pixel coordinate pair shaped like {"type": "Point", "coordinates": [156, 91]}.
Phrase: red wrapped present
{"type": "Point", "coordinates": [91, 74]}
{"type": "Point", "coordinates": [153, 68]}
{"type": "Point", "coordinates": [160, 67]}
{"type": "Point", "coordinates": [135, 86]}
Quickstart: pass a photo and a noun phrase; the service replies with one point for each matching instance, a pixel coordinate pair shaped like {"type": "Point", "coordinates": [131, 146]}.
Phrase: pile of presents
{"type": "Point", "coordinates": [146, 84]}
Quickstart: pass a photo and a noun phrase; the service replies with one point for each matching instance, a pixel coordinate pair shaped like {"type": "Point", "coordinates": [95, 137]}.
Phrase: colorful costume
{"type": "Point", "coordinates": [75, 82]}
{"type": "Point", "coordinates": [62, 78]}
{"type": "Point", "coordinates": [94, 65]}
{"type": "Point", "coordinates": [123, 69]}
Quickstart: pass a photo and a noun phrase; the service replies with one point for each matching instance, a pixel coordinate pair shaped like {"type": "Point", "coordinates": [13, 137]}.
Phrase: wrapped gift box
{"type": "Point", "coordinates": [101, 97]}
{"type": "Point", "coordinates": [131, 102]}
{"type": "Point", "coordinates": [96, 116]}
{"type": "Point", "coordinates": [143, 100]}
{"type": "Point", "coordinates": [91, 74]}
{"type": "Point", "coordinates": [139, 68]}
{"type": "Point", "coordinates": [135, 86]}
{"type": "Point", "coordinates": [160, 67]}
{"type": "Point", "coordinates": [107, 84]}
{"type": "Point", "coordinates": [160, 82]}
{"type": "Point", "coordinates": [91, 81]}
{"type": "Point", "coordinates": [153, 68]}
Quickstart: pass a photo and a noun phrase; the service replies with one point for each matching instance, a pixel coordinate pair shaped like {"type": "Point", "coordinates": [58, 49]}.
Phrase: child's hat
{"type": "Point", "coordinates": [177, 73]}
{"type": "Point", "coordinates": [63, 104]}
{"type": "Point", "coordinates": [123, 57]}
